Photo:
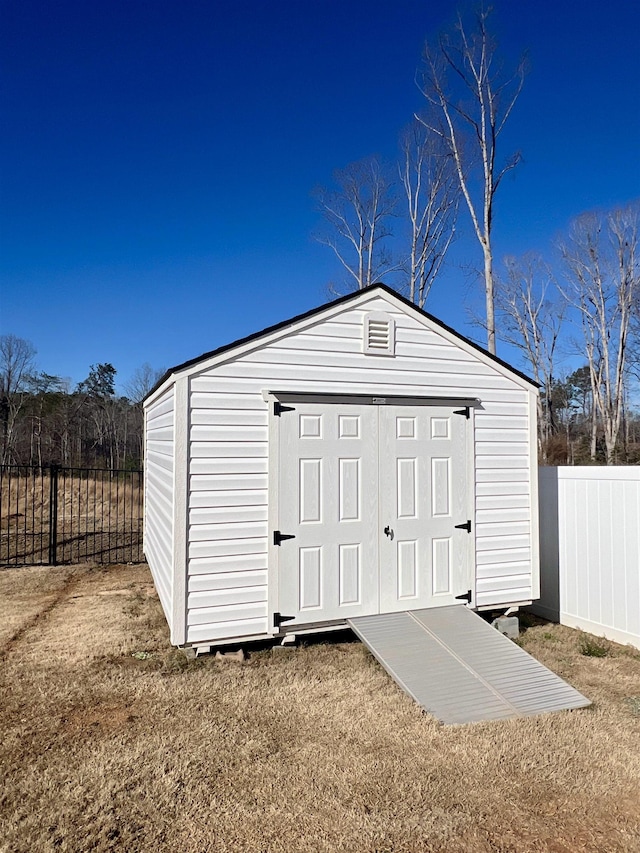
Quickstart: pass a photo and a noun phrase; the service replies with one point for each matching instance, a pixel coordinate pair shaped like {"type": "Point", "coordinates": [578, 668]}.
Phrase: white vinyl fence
{"type": "Point", "coordinates": [590, 549]}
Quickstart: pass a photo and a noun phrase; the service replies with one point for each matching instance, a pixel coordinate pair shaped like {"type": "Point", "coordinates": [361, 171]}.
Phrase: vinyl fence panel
{"type": "Point", "coordinates": [590, 549]}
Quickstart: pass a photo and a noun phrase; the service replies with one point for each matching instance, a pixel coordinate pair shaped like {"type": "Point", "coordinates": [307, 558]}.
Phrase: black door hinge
{"type": "Point", "coordinates": [278, 619]}
{"type": "Point", "coordinates": [466, 596]}
{"type": "Point", "coordinates": [279, 408]}
{"type": "Point", "coordinates": [280, 537]}
{"type": "Point", "coordinates": [464, 412]}
{"type": "Point", "coordinates": [466, 526]}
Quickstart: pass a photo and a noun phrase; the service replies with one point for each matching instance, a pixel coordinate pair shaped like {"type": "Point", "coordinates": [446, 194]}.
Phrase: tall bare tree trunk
{"type": "Point", "coordinates": [490, 300]}
{"type": "Point", "coordinates": [474, 109]}
{"type": "Point", "coordinates": [602, 257]}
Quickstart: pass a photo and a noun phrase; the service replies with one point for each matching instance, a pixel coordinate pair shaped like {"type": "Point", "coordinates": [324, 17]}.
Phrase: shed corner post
{"type": "Point", "coordinates": [472, 477]}
{"type": "Point", "coordinates": [180, 513]}
{"type": "Point", "coordinates": [534, 494]}
{"type": "Point", "coordinates": [144, 480]}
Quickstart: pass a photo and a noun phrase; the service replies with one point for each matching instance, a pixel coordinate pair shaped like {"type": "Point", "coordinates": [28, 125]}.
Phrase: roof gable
{"type": "Point", "coordinates": [261, 338]}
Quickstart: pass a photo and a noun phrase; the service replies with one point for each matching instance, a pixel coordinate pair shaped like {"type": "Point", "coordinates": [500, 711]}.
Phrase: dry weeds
{"type": "Point", "coordinates": [313, 749]}
{"type": "Point", "coordinates": [79, 495]}
{"type": "Point", "coordinates": [98, 519]}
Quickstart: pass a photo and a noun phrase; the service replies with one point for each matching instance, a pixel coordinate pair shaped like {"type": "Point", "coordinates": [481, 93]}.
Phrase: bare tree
{"type": "Point", "coordinates": [359, 213]}
{"type": "Point", "coordinates": [142, 381]}
{"type": "Point", "coordinates": [465, 84]}
{"type": "Point", "coordinates": [431, 192]}
{"type": "Point", "coordinates": [531, 319]}
{"type": "Point", "coordinates": [17, 360]}
{"type": "Point", "coordinates": [45, 392]}
{"type": "Point", "coordinates": [602, 262]}
{"type": "Point", "coordinates": [136, 389]}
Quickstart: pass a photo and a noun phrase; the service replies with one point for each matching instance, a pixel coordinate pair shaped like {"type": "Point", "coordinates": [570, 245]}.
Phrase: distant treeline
{"type": "Point", "coordinates": [44, 421]}
{"type": "Point", "coordinates": [571, 430]}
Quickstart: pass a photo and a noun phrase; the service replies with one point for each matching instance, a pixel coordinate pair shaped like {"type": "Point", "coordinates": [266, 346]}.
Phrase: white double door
{"type": "Point", "coordinates": [370, 497]}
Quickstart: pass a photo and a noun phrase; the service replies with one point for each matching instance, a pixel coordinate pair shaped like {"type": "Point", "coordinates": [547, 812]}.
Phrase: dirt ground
{"type": "Point", "coordinates": [111, 740]}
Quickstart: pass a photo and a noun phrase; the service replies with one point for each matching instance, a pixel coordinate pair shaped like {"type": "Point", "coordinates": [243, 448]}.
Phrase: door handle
{"type": "Point", "coordinates": [388, 532]}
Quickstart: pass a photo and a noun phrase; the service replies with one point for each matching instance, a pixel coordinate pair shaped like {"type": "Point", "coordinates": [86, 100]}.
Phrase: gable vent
{"type": "Point", "coordinates": [379, 334]}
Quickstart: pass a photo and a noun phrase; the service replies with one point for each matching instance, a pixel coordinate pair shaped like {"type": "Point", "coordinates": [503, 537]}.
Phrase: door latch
{"type": "Point", "coordinates": [388, 532]}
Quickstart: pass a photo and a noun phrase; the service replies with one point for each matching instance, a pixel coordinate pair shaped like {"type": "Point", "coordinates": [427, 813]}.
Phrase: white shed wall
{"type": "Point", "coordinates": [596, 576]}
{"type": "Point", "coordinates": [228, 441]}
{"type": "Point", "coordinates": [159, 490]}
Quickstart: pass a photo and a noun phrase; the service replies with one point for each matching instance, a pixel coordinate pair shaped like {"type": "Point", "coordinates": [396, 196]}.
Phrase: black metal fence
{"type": "Point", "coordinates": [69, 515]}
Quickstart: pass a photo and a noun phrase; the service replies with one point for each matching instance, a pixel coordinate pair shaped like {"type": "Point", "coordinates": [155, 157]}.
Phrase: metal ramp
{"type": "Point", "coordinates": [461, 669]}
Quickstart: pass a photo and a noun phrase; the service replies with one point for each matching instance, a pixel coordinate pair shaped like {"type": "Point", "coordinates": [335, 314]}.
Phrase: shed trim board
{"type": "Point", "coordinates": [370, 399]}
{"type": "Point", "coordinates": [159, 495]}
{"type": "Point", "coordinates": [213, 460]}
{"type": "Point", "coordinates": [180, 510]}
{"type": "Point", "coordinates": [534, 491]}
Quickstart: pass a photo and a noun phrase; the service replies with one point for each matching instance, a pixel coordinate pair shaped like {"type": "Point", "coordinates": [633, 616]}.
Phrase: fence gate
{"type": "Point", "coordinates": [69, 515]}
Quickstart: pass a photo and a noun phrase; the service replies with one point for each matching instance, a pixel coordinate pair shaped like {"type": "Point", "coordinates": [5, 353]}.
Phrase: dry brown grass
{"type": "Point", "coordinates": [313, 749]}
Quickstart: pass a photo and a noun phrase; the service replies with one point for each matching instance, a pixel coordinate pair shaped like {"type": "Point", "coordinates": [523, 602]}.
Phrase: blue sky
{"type": "Point", "coordinates": [158, 158]}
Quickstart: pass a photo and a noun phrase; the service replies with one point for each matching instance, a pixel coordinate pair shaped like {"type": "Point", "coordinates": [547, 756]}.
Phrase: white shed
{"type": "Point", "coordinates": [361, 458]}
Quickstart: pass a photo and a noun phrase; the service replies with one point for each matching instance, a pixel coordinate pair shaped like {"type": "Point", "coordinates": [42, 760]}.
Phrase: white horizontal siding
{"type": "Point", "coordinates": [227, 515]}
{"type": "Point", "coordinates": [486, 503]}
{"type": "Point", "coordinates": [219, 466]}
{"type": "Point", "coordinates": [227, 581]}
{"type": "Point", "coordinates": [400, 377]}
{"type": "Point", "coordinates": [229, 498]}
{"type": "Point", "coordinates": [488, 489]}
{"type": "Point", "coordinates": [228, 547]}
{"type": "Point", "coordinates": [229, 417]}
{"type": "Point", "coordinates": [503, 556]}
{"type": "Point", "coordinates": [233, 448]}
{"type": "Point", "coordinates": [500, 515]}
{"type": "Point", "coordinates": [277, 356]}
{"type": "Point", "coordinates": [503, 503]}
{"type": "Point", "coordinates": [229, 454]}
{"type": "Point", "coordinates": [502, 474]}
{"type": "Point", "coordinates": [222, 597]}
{"type": "Point", "coordinates": [159, 494]}
{"type": "Point", "coordinates": [228, 530]}
{"type": "Point", "coordinates": [235, 433]}
{"type": "Point", "coordinates": [228, 562]}
{"type": "Point", "coordinates": [224, 403]}
{"type": "Point", "coordinates": [233, 609]}
{"type": "Point", "coordinates": [217, 631]}
{"type": "Point", "coordinates": [368, 382]}
{"type": "Point", "coordinates": [225, 482]}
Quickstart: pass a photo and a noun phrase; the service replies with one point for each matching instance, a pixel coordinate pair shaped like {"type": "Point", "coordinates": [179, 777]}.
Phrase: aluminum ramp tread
{"type": "Point", "coordinates": [461, 669]}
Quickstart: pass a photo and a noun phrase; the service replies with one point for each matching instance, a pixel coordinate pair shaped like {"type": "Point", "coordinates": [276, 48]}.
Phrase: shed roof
{"type": "Point", "coordinates": [342, 300]}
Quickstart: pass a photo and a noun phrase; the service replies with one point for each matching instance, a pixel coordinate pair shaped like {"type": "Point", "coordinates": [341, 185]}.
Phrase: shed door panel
{"type": "Point", "coordinates": [347, 473]}
{"type": "Point", "coordinates": [328, 501]}
{"type": "Point", "coordinates": [423, 496]}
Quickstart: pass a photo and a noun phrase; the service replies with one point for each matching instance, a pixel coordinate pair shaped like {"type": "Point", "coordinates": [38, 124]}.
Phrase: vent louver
{"type": "Point", "coordinates": [379, 338]}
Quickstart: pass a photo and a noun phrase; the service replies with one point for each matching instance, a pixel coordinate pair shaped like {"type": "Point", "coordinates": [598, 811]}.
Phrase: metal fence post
{"type": "Point", "coordinates": [53, 515]}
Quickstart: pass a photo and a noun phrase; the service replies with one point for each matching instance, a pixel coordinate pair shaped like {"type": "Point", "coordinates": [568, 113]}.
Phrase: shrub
{"type": "Point", "coordinates": [592, 647]}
